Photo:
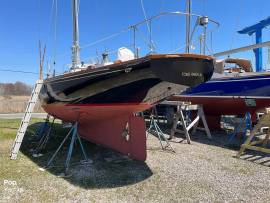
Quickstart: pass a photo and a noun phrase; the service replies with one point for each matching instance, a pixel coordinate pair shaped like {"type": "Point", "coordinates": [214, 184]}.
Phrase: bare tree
{"type": "Point", "coordinates": [17, 88]}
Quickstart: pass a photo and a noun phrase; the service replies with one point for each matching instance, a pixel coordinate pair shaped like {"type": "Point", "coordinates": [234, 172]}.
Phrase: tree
{"type": "Point", "coordinates": [17, 88]}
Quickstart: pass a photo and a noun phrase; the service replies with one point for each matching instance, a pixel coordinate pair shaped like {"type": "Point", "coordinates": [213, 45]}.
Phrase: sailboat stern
{"type": "Point", "coordinates": [185, 69]}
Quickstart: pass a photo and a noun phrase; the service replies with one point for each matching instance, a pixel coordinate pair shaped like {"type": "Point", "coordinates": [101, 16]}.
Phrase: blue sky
{"type": "Point", "coordinates": [25, 22]}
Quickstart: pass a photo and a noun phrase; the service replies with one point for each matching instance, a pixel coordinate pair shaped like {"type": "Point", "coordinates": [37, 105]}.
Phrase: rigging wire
{"type": "Point", "coordinates": [114, 34]}
{"type": "Point", "coordinates": [149, 27]}
{"type": "Point", "coordinates": [105, 38]}
{"type": "Point", "coordinates": [161, 6]}
{"type": "Point", "coordinates": [161, 10]}
{"type": "Point", "coordinates": [51, 18]}
{"type": "Point", "coordinates": [99, 40]}
{"type": "Point", "coordinates": [52, 26]}
{"type": "Point", "coordinates": [145, 17]}
{"type": "Point", "coordinates": [144, 38]}
{"type": "Point", "coordinates": [193, 42]}
{"type": "Point", "coordinates": [204, 7]}
{"type": "Point", "coordinates": [52, 14]}
{"type": "Point", "coordinates": [209, 49]}
{"type": "Point", "coordinates": [108, 52]}
{"type": "Point", "coordinates": [39, 19]}
{"type": "Point", "coordinates": [18, 71]}
{"type": "Point", "coordinates": [131, 27]}
{"type": "Point", "coordinates": [55, 30]}
{"type": "Point", "coordinates": [236, 25]}
{"type": "Point", "coordinates": [181, 47]}
{"type": "Point", "coordinates": [78, 11]}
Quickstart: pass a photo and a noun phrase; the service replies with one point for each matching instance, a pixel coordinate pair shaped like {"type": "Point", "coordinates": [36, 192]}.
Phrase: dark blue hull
{"type": "Point", "coordinates": [257, 85]}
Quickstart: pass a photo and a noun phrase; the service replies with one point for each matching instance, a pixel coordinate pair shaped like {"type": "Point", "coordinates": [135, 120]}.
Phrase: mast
{"type": "Point", "coordinates": [188, 11]}
{"type": "Point", "coordinates": [75, 47]}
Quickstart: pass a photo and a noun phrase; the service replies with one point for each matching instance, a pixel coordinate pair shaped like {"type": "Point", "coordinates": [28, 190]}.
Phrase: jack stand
{"type": "Point", "coordinates": [158, 131]}
{"type": "Point", "coordinates": [187, 125]}
{"type": "Point", "coordinates": [248, 127]}
{"type": "Point", "coordinates": [259, 144]}
{"type": "Point", "coordinates": [43, 128]}
{"type": "Point", "coordinates": [44, 139]}
{"type": "Point", "coordinates": [74, 133]}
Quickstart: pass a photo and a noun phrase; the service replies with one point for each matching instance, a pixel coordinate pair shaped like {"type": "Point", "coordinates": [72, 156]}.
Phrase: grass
{"type": "Point", "coordinates": [8, 129]}
{"type": "Point", "coordinates": [25, 170]}
{"type": "Point", "coordinates": [15, 170]}
{"type": "Point", "coordinates": [201, 172]}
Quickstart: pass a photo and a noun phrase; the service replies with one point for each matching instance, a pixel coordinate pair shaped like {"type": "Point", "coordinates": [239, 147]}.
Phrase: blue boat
{"type": "Point", "coordinates": [230, 93]}
{"type": "Point", "coordinates": [253, 85]}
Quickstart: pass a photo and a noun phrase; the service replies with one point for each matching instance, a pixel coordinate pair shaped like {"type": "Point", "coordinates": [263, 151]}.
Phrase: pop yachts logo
{"type": "Point", "coordinates": [10, 183]}
{"type": "Point", "coordinates": [10, 189]}
{"type": "Point", "coordinates": [191, 74]}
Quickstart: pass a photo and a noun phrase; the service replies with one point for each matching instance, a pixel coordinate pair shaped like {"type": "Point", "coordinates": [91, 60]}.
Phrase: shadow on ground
{"type": "Point", "coordinates": [109, 169]}
{"type": "Point", "coordinates": [219, 139]}
{"type": "Point", "coordinates": [256, 157]}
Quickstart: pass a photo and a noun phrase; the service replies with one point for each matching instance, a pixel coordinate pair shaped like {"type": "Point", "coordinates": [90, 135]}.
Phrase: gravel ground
{"type": "Point", "coordinates": [205, 171]}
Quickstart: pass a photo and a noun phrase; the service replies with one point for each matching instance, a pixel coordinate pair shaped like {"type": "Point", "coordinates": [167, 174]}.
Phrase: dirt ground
{"type": "Point", "coordinates": [205, 171]}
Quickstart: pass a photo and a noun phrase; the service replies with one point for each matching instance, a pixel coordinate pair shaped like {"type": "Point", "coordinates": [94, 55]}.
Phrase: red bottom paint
{"type": "Point", "coordinates": [215, 107]}
{"type": "Point", "coordinates": [114, 126]}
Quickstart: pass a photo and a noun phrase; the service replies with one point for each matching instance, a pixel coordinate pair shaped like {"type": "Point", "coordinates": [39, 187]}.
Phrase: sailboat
{"type": "Point", "coordinates": [105, 99]}
{"type": "Point", "coordinates": [234, 89]}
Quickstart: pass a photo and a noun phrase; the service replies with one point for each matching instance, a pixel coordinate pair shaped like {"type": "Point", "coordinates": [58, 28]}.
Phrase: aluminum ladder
{"type": "Point", "coordinates": [25, 120]}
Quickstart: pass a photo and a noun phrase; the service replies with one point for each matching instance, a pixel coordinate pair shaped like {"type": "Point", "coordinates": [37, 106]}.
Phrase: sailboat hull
{"type": "Point", "coordinates": [114, 126]}
{"type": "Point", "coordinates": [230, 96]}
{"type": "Point", "coordinates": [105, 101]}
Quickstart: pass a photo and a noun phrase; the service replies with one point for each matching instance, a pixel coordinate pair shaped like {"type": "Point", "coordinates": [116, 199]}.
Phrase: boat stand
{"type": "Point", "coordinates": [263, 123]}
{"type": "Point", "coordinates": [44, 134]}
{"type": "Point", "coordinates": [156, 129]}
{"type": "Point", "coordinates": [246, 121]}
{"type": "Point", "coordinates": [74, 135]}
{"type": "Point", "coordinates": [187, 125]}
